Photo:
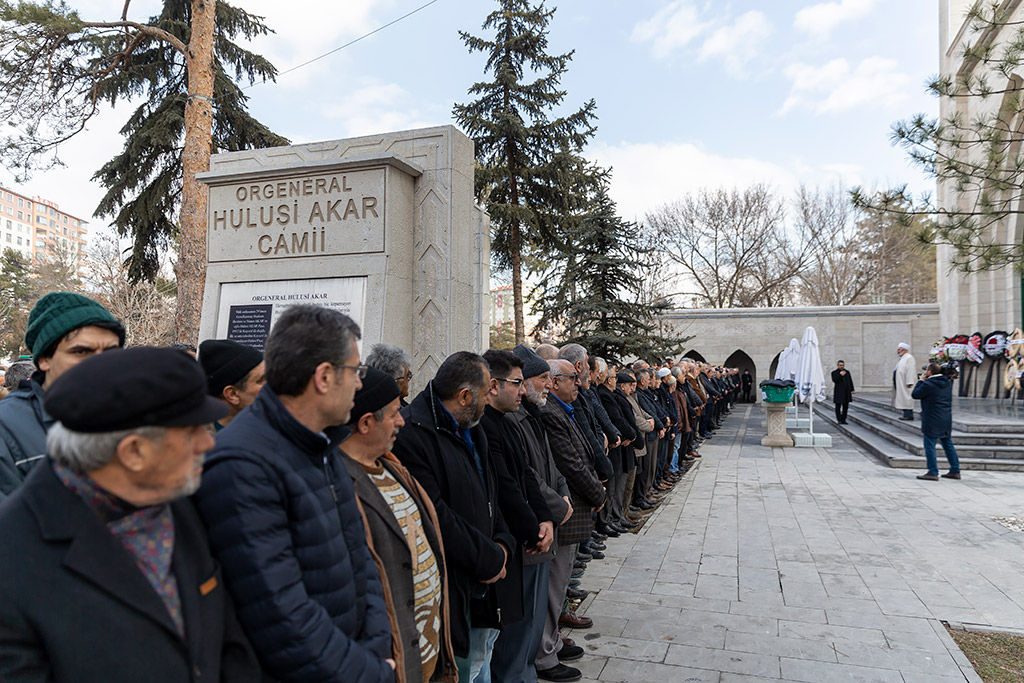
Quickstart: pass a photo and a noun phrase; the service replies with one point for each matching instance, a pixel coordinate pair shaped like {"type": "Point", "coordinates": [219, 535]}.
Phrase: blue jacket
{"type": "Point", "coordinates": [936, 396]}
{"type": "Point", "coordinates": [283, 522]}
{"type": "Point", "coordinates": [23, 427]}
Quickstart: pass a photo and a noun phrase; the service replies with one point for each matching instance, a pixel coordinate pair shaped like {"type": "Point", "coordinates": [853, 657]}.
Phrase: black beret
{"type": "Point", "coordinates": [533, 364]}
{"type": "Point", "coordinates": [126, 389]}
{"type": "Point", "coordinates": [378, 390]}
{"type": "Point", "coordinates": [624, 377]}
{"type": "Point", "coordinates": [226, 362]}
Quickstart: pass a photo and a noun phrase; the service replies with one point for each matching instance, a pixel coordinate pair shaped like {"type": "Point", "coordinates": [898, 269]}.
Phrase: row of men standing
{"type": "Point", "coordinates": [336, 534]}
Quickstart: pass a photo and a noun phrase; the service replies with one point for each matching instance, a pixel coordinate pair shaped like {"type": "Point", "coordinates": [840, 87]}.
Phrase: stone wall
{"type": "Point", "coordinates": [863, 336]}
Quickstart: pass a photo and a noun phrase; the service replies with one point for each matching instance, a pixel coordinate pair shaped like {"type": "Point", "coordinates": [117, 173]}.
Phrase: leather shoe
{"type": "Point", "coordinates": [928, 477]}
{"type": "Point", "coordinates": [560, 672]}
{"type": "Point", "coordinates": [570, 619]}
{"type": "Point", "coordinates": [648, 505]}
{"type": "Point", "coordinates": [576, 573]}
{"type": "Point", "coordinates": [951, 475]}
{"type": "Point", "coordinates": [579, 565]}
{"type": "Point", "coordinates": [598, 536]}
{"type": "Point", "coordinates": [570, 654]}
{"type": "Point", "coordinates": [583, 557]}
{"type": "Point", "coordinates": [574, 583]}
{"type": "Point", "coordinates": [618, 528]}
{"type": "Point", "coordinates": [595, 545]}
{"type": "Point", "coordinates": [566, 640]}
{"type": "Point", "coordinates": [597, 554]}
{"type": "Point", "coordinates": [576, 593]}
{"type": "Point", "coordinates": [694, 454]}
{"type": "Point", "coordinates": [627, 524]}
{"type": "Point", "coordinates": [611, 530]}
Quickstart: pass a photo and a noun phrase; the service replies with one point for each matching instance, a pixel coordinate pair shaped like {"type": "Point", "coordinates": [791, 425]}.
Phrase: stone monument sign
{"type": "Point", "coordinates": [384, 228]}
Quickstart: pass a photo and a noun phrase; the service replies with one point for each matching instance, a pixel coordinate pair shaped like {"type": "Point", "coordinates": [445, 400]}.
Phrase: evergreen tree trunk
{"type": "Point", "coordinates": [191, 266]}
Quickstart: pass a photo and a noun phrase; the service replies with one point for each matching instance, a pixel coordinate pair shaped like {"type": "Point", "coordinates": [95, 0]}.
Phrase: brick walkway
{"type": "Point", "coordinates": [815, 565]}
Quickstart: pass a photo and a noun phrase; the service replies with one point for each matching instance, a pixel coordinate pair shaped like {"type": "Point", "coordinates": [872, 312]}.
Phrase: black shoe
{"type": "Point", "coordinates": [627, 524]}
{"type": "Point", "coordinates": [574, 583]}
{"type": "Point", "coordinates": [597, 554]}
{"type": "Point", "coordinates": [928, 477]}
{"type": "Point", "coordinates": [584, 557]}
{"type": "Point", "coordinates": [559, 673]}
{"type": "Point", "coordinates": [570, 653]}
{"type": "Point", "coordinates": [579, 565]}
{"type": "Point", "coordinates": [599, 536]}
{"type": "Point", "coordinates": [907, 419]}
{"type": "Point", "coordinates": [617, 528]}
{"type": "Point", "coordinates": [611, 530]}
{"type": "Point", "coordinates": [576, 593]}
{"type": "Point", "coordinates": [951, 475]}
{"type": "Point", "coordinates": [648, 505]}
{"type": "Point", "coordinates": [596, 545]}
{"type": "Point", "coordinates": [577, 573]}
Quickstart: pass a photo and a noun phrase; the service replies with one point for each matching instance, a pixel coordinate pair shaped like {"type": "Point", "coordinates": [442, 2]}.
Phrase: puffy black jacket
{"type": "Point", "coordinates": [282, 519]}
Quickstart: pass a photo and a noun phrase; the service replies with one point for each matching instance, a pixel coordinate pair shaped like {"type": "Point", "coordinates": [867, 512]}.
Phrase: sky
{"type": "Point", "coordinates": [689, 93]}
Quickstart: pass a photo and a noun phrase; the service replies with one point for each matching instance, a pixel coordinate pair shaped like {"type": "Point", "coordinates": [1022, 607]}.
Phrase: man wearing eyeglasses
{"type": "Point", "coordinates": [282, 517]}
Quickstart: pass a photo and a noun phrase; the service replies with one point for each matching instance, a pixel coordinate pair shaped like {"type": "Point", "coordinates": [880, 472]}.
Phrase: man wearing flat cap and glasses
{"type": "Point", "coordinates": [282, 516]}
{"type": "Point", "coordinates": [105, 572]}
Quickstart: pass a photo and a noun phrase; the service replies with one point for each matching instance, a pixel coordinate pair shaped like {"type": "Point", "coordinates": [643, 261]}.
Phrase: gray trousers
{"type": "Point", "coordinates": [558, 583]}
{"type": "Point", "coordinates": [617, 494]}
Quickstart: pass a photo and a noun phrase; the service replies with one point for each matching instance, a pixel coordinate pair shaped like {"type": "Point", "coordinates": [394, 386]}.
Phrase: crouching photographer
{"type": "Point", "coordinates": [935, 391]}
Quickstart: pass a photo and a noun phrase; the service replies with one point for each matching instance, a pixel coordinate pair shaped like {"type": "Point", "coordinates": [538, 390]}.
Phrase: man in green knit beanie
{"type": "Point", "coordinates": [63, 330]}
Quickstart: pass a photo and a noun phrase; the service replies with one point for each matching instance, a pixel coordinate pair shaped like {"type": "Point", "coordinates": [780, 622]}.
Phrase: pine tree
{"type": "Point", "coordinates": [16, 299]}
{"type": "Point", "coordinates": [515, 134]}
{"type": "Point", "coordinates": [594, 284]}
{"type": "Point", "coordinates": [57, 69]}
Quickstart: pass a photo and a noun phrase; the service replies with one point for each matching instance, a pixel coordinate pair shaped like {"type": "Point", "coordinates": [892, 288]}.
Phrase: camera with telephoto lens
{"type": "Point", "coordinates": [950, 369]}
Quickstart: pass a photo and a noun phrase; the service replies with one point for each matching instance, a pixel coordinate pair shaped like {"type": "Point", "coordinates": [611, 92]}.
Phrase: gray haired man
{"type": "Point", "coordinates": [394, 361]}
{"type": "Point", "coordinates": [100, 549]}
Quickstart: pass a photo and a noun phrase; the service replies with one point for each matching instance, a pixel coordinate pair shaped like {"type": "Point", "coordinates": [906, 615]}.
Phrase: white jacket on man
{"type": "Point", "coordinates": [906, 377]}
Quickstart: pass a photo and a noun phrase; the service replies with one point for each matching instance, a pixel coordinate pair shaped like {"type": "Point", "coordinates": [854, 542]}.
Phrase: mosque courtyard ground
{"type": "Point", "coordinates": [805, 564]}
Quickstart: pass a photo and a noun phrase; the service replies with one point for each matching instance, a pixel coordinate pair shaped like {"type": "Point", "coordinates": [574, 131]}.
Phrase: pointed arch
{"type": "Point", "coordinates": [694, 354]}
{"type": "Point", "coordinates": [774, 366]}
{"type": "Point", "coordinates": [740, 360]}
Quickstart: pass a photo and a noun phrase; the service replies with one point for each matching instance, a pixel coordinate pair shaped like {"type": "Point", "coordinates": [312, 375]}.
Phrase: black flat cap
{"type": "Point", "coordinates": [379, 389]}
{"type": "Point", "coordinates": [533, 364]}
{"type": "Point", "coordinates": [625, 378]}
{"type": "Point", "coordinates": [226, 362]}
{"type": "Point", "coordinates": [126, 389]}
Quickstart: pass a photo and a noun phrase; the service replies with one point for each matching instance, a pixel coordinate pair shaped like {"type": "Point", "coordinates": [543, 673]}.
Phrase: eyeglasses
{"type": "Point", "coordinates": [513, 382]}
{"type": "Point", "coordinates": [574, 376]}
{"type": "Point", "coordinates": [408, 375]}
{"type": "Point", "coordinates": [360, 369]}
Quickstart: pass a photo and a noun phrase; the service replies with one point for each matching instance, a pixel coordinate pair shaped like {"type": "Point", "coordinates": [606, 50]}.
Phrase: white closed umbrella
{"type": "Point", "coordinates": [786, 369]}
{"type": "Point", "coordinates": [810, 377]}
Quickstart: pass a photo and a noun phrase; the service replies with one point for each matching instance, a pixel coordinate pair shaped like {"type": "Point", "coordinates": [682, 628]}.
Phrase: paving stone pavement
{"type": "Point", "coordinates": [802, 564]}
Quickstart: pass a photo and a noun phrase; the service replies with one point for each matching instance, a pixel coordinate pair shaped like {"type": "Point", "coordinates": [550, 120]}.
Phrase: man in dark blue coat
{"type": "Point", "coordinates": [935, 391]}
{"type": "Point", "coordinates": [282, 517]}
{"type": "Point", "coordinates": [445, 449]}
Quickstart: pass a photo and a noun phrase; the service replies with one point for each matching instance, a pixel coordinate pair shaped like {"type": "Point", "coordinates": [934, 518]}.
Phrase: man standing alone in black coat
{"type": "Point", "coordinates": [843, 391]}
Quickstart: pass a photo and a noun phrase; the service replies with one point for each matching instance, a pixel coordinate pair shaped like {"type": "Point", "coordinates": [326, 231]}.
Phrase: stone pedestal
{"type": "Point", "coordinates": [775, 421]}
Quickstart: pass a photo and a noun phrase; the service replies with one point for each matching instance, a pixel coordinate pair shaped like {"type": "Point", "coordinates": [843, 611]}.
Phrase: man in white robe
{"type": "Point", "coordinates": [904, 376]}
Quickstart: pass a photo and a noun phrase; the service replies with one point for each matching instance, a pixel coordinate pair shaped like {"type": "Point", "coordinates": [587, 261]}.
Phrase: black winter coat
{"type": "Point", "coordinates": [467, 509]}
{"type": "Point", "coordinates": [587, 422]}
{"type": "Point", "coordinates": [626, 428]}
{"type": "Point", "coordinates": [75, 608]}
{"type": "Point", "coordinates": [844, 386]}
{"type": "Point", "coordinates": [936, 396]}
{"type": "Point", "coordinates": [283, 522]}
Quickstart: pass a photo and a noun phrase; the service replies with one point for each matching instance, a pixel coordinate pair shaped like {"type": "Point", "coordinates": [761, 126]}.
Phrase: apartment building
{"type": "Point", "coordinates": [38, 229]}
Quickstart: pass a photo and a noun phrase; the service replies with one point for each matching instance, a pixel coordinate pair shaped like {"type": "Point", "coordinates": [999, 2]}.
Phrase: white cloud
{"type": "Point", "coordinates": [376, 107]}
{"type": "Point", "coordinates": [820, 20]}
{"type": "Point", "coordinates": [836, 87]}
{"type": "Point", "coordinates": [648, 175]}
{"type": "Point", "coordinates": [673, 27]}
{"type": "Point", "coordinates": [738, 43]}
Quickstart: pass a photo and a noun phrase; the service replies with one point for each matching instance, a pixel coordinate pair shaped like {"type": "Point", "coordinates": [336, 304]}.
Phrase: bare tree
{"type": "Point", "coordinates": [146, 309]}
{"type": "Point", "coordinates": [729, 248]}
{"type": "Point", "coordinates": [838, 270]}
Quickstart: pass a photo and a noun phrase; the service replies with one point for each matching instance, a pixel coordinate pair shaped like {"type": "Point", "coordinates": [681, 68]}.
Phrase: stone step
{"type": "Point", "coordinates": [869, 415]}
{"type": "Point", "coordinates": [961, 422]}
{"type": "Point", "coordinates": [893, 455]}
{"type": "Point", "coordinates": [912, 443]}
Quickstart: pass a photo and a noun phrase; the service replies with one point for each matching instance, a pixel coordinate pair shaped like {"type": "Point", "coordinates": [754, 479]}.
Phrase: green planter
{"type": "Point", "coordinates": [778, 394]}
